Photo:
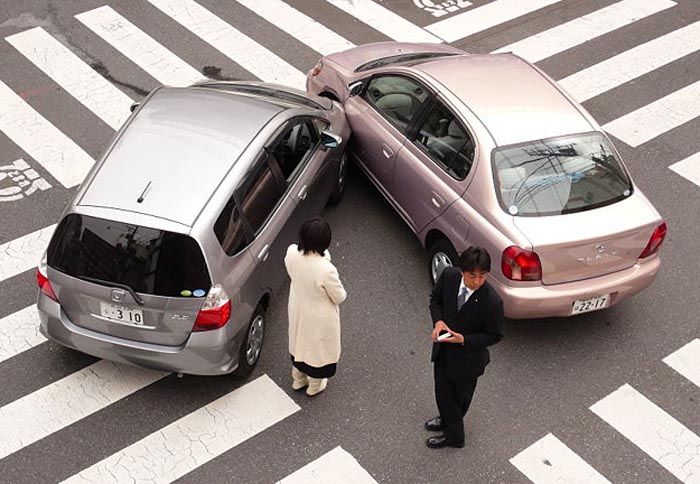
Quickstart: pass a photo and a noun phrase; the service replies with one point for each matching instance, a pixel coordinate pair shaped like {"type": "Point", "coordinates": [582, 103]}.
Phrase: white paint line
{"type": "Point", "coordinates": [334, 467]}
{"type": "Point", "coordinates": [197, 438]}
{"type": "Point", "coordinates": [686, 360]}
{"type": "Point", "coordinates": [77, 78]}
{"type": "Point", "coordinates": [653, 430]}
{"type": "Point", "coordinates": [550, 461]}
{"type": "Point", "coordinates": [24, 253]}
{"type": "Point", "coordinates": [19, 332]}
{"type": "Point", "coordinates": [142, 49]}
{"type": "Point", "coordinates": [385, 21]}
{"type": "Point", "coordinates": [66, 401]}
{"type": "Point", "coordinates": [631, 64]}
{"type": "Point", "coordinates": [482, 18]}
{"type": "Point", "coordinates": [235, 45]}
{"type": "Point", "coordinates": [580, 30]}
{"type": "Point", "coordinates": [58, 154]}
{"type": "Point", "coordinates": [689, 168]}
{"type": "Point", "coordinates": [305, 29]}
{"type": "Point", "coordinates": [654, 119]}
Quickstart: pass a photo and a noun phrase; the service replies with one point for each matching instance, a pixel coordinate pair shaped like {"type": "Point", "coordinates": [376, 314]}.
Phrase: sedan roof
{"type": "Point", "coordinates": [176, 150]}
{"type": "Point", "coordinates": [513, 100]}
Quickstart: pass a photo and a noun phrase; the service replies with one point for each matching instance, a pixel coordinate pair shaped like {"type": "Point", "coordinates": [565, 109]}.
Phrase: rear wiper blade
{"type": "Point", "coordinates": [136, 297]}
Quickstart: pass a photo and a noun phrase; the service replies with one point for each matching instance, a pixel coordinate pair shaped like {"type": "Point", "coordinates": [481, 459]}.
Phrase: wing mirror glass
{"type": "Point", "coordinates": [330, 139]}
{"type": "Point", "coordinates": [355, 88]}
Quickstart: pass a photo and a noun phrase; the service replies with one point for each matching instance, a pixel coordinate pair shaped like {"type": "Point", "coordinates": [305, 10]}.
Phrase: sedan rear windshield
{"type": "Point", "coordinates": [559, 175]}
{"type": "Point", "coordinates": [147, 260]}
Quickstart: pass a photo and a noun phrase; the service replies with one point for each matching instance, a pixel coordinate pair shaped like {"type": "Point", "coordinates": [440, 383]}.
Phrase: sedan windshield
{"type": "Point", "coordinates": [560, 175]}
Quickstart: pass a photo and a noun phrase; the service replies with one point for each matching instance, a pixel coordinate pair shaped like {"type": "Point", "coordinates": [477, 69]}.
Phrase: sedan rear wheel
{"type": "Point", "coordinates": [442, 256]}
{"type": "Point", "coordinates": [252, 345]}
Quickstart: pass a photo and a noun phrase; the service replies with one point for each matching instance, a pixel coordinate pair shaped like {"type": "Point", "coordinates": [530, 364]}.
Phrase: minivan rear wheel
{"type": "Point", "coordinates": [251, 347]}
{"type": "Point", "coordinates": [339, 189]}
{"type": "Point", "coordinates": [442, 256]}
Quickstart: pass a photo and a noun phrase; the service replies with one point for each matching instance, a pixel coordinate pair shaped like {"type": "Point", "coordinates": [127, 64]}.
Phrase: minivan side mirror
{"type": "Point", "coordinates": [134, 106]}
{"type": "Point", "coordinates": [355, 88]}
{"type": "Point", "coordinates": [330, 139]}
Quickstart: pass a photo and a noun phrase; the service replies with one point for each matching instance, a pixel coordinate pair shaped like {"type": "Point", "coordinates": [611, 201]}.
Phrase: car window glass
{"type": "Point", "coordinates": [259, 194]}
{"type": "Point", "coordinates": [229, 229]}
{"type": "Point", "coordinates": [398, 98]}
{"type": "Point", "coordinates": [293, 147]}
{"type": "Point", "coordinates": [444, 139]}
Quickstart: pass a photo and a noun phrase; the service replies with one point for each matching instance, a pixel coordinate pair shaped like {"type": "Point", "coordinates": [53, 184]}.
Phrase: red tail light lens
{"type": "Point", "coordinates": [654, 244]}
{"type": "Point", "coordinates": [521, 265]}
{"type": "Point", "coordinates": [42, 280]}
{"type": "Point", "coordinates": [215, 312]}
{"type": "Point", "coordinates": [317, 68]}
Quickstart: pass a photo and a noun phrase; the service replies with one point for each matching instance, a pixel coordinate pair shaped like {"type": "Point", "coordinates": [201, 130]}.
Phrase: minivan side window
{"type": "Point", "coordinates": [293, 147]}
{"type": "Point", "coordinates": [230, 230]}
{"type": "Point", "coordinates": [397, 98]}
{"type": "Point", "coordinates": [446, 142]}
{"type": "Point", "coordinates": [259, 194]}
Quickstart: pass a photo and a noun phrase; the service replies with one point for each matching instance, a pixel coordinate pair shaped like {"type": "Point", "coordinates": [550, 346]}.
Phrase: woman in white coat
{"type": "Point", "coordinates": [314, 317]}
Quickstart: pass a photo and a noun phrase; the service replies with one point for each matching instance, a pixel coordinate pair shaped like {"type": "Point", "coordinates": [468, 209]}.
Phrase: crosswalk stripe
{"type": "Point", "coordinates": [60, 156]}
{"type": "Point", "coordinates": [66, 401]}
{"type": "Point", "coordinates": [654, 119]}
{"type": "Point", "coordinates": [139, 47]}
{"type": "Point", "coordinates": [19, 332]}
{"type": "Point", "coordinates": [689, 168]}
{"type": "Point", "coordinates": [24, 253]}
{"type": "Point", "coordinates": [385, 21]}
{"type": "Point", "coordinates": [686, 360]}
{"type": "Point", "coordinates": [650, 428]}
{"type": "Point", "coordinates": [582, 29]}
{"type": "Point", "coordinates": [305, 29]}
{"type": "Point", "coordinates": [631, 64]}
{"type": "Point", "coordinates": [334, 467]}
{"type": "Point", "coordinates": [550, 461]}
{"type": "Point", "coordinates": [484, 17]}
{"type": "Point", "coordinates": [237, 46]}
{"type": "Point", "coordinates": [77, 78]}
{"type": "Point", "coordinates": [196, 438]}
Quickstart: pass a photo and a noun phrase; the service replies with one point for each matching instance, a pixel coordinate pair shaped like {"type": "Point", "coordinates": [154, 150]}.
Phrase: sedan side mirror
{"type": "Point", "coordinates": [355, 88]}
{"type": "Point", "coordinates": [330, 139]}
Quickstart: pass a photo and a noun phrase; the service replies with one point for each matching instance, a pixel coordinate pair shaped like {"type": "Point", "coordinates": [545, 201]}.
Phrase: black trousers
{"type": "Point", "coordinates": [453, 399]}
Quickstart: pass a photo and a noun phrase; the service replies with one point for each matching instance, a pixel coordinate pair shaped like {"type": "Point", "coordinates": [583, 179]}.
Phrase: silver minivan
{"type": "Point", "coordinates": [168, 255]}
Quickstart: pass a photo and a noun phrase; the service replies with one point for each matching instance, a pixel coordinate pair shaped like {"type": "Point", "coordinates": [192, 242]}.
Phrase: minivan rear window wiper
{"type": "Point", "coordinates": [136, 297]}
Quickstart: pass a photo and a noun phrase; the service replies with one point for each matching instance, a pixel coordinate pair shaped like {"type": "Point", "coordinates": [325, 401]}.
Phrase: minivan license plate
{"type": "Point", "coordinates": [121, 314]}
{"type": "Point", "coordinates": [590, 304]}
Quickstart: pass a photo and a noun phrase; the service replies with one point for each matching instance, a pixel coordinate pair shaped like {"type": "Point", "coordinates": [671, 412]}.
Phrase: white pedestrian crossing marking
{"type": "Point", "coordinates": [19, 332]}
{"type": "Point", "coordinates": [582, 29]}
{"type": "Point", "coordinates": [60, 156]}
{"type": "Point", "coordinates": [653, 430]}
{"type": "Point", "coordinates": [686, 360]}
{"type": "Point", "coordinates": [23, 181]}
{"type": "Point", "coordinates": [305, 29]}
{"type": "Point", "coordinates": [689, 168]}
{"type": "Point", "coordinates": [24, 253]}
{"type": "Point", "coordinates": [77, 78]}
{"type": "Point", "coordinates": [334, 467]}
{"type": "Point", "coordinates": [652, 120]}
{"type": "Point", "coordinates": [484, 17]}
{"type": "Point", "coordinates": [385, 21]}
{"type": "Point", "coordinates": [141, 49]}
{"type": "Point", "coordinates": [237, 46]}
{"type": "Point", "coordinates": [197, 438]}
{"type": "Point", "coordinates": [631, 64]}
{"type": "Point", "coordinates": [550, 461]}
{"type": "Point", "coordinates": [64, 402]}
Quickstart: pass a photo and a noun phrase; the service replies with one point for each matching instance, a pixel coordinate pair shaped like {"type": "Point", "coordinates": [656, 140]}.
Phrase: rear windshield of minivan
{"type": "Point", "coordinates": [148, 260]}
{"type": "Point", "coordinates": [559, 176]}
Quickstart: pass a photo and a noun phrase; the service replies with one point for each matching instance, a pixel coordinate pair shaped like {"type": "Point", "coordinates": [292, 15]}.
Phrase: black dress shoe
{"type": "Point", "coordinates": [434, 424]}
{"type": "Point", "coordinates": [441, 441]}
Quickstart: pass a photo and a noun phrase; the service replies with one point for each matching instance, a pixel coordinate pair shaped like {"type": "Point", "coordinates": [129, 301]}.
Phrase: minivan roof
{"type": "Point", "coordinates": [175, 152]}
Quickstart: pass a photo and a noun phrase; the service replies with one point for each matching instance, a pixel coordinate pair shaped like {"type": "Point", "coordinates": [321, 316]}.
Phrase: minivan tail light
{"type": "Point", "coordinates": [521, 265]}
{"type": "Point", "coordinates": [654, 244]}
{"type": "Point", "coordinates": [215, 312]}
{"type": "Point", "coordinates": [42, 280]}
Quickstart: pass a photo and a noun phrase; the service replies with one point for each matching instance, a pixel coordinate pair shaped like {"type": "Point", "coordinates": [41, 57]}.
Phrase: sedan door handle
{"type": "Point", "coordinates": [437, 201]}
{"type": "Point", "coordinates": [303, 192]}
{"type": "Point", "coordinates": [264, 252]}
{"type": "Point", "coordinates": [386, 151]}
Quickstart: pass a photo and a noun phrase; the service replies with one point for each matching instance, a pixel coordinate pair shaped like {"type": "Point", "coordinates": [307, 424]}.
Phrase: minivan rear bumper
{"type": "Point", "coordinates": [204, 353]}
{"type": "Point", "coordinates": [557, 300]}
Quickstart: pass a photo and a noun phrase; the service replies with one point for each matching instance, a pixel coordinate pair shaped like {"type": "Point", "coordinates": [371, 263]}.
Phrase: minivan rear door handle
{"type": "Point", "coordinates": [264, 252]}
{"type": "Point", "coordinates": [386, 151]}
{"type": "Point", "coordinates": [303, 192]}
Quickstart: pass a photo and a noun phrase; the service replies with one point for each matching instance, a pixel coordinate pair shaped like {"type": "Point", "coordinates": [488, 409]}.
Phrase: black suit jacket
{"type": "Point", "coordinates": [480, 320]}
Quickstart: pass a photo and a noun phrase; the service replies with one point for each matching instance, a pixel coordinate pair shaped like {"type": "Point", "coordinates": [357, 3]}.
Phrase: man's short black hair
{"type": "Point", "coordinates": [314, 236]}
{"type": "Point", "coordinates": [475, 259]}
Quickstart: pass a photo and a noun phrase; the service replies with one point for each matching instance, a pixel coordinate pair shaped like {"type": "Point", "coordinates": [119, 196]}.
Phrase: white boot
{"type": "Point", "coordinates": [316, 386]}
{"type": "Point", "coordinates": [299, 379]}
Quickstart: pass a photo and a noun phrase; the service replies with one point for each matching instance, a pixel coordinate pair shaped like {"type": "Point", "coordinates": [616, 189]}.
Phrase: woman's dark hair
{"type": "Point", "coordinates": [475, 259]}
{"type": "Point", "coordinates": [314, 236]}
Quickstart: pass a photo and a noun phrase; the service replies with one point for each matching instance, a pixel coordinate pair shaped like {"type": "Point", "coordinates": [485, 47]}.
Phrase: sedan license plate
{"type": "Point", "coordinates": [590, 304]}
{"type": "Point", "coordinates": [122, 314]}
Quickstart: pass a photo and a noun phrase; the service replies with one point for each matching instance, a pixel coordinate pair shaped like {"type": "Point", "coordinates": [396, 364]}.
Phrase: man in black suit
{"type": "Point", "coordinates": [464, 305]}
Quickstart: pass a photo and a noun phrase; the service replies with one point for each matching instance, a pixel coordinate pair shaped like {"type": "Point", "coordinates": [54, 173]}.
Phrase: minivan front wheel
{"type": "Point", "coordinates": [252, 345]}
{"type": "Point", "coordinates": [442, 256]}
{"type": "Point", "coordinates": [342, 176]}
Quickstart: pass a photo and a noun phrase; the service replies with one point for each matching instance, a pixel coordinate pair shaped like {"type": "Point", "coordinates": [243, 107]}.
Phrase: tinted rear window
{"type": "Point", "coordinates": [148, 260]}
{"type": "Point", "coordinates": [560, 175]}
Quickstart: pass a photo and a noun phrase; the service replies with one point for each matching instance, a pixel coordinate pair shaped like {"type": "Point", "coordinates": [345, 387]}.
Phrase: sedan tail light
{"type": "Point", "coordinates": [215, 311]}
{"type": "Point", "coordinates": [521, 265]}
{"type": "Point", "coordinates": [654, 244]}
{"type": "Point", "coordinates": [42, 280]}
{"type": "Point", "coordinates": [317, 68]}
